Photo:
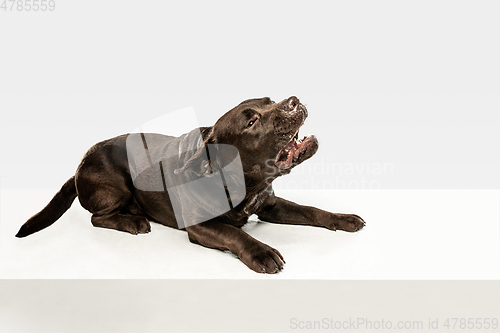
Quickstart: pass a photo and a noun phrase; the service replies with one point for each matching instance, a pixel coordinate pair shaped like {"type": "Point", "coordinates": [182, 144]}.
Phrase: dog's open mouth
{"type": "Point", "coordinates": [296, 151]}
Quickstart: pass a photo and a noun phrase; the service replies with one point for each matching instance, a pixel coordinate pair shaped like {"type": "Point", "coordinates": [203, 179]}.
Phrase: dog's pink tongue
{"type": "Point", "coordinates": [290, 156]}
{"type": "Point", "coordinates": [286, 155]}
{"type": "Point", "coordinates": [294, 152]}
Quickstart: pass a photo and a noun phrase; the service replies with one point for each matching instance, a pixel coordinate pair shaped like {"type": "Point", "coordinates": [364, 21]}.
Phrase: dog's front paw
{"type": "Point", "coordinates": [262, 258]}
{"type": "Point", "coordinates": [346, 222]}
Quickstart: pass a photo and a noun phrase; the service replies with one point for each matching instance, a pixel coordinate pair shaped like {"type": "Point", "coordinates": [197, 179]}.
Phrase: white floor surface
{"type": "Point", "coordinates": [410, 234]}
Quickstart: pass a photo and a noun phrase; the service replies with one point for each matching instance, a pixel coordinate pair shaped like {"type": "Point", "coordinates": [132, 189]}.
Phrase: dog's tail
{"type": "Point", "coordinates": [59, 204]}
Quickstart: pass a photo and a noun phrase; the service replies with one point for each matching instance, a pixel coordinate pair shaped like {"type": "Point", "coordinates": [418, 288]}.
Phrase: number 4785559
{"type": "Point", "coordinates": [471, 323]}
{"type": "Point", "coordinates": [27, 5]}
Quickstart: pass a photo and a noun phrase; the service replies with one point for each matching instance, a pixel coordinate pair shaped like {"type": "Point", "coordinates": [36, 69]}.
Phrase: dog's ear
{"type": "Point", "coordinates": [202, 161]}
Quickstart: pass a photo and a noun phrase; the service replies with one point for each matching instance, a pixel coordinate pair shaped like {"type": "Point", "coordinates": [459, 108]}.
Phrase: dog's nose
{"type": "Point", "coordinates": [292, 103]}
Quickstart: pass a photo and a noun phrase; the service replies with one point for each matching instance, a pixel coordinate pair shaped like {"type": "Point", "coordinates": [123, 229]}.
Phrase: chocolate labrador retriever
{"type": "Point", "coordinates": [123, 195]}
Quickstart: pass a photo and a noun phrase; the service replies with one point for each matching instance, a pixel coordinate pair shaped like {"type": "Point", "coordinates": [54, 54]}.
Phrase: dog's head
{"type": "Point", "coordinates": [266, 136]}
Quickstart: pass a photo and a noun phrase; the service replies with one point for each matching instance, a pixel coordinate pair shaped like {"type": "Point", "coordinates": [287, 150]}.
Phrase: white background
{"type": "Point", "coordinates": [409, 86]}
{"type": "Point", "coordinates": [412, 85]}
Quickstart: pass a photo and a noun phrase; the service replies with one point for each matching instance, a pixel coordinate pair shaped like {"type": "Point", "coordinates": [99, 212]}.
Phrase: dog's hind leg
{"type": "Point", "coordinates": [113, 208]}
{"type": "Point", "coordinates": [133, 224]}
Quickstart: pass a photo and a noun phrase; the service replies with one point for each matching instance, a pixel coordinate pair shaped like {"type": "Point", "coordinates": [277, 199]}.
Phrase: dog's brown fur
{"type": "Point", "coordinates": [259, 129]}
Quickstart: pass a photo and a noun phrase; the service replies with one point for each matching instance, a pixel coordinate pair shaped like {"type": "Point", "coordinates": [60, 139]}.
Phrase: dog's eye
{"type": "Point", "coordinates": [250, 123]}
